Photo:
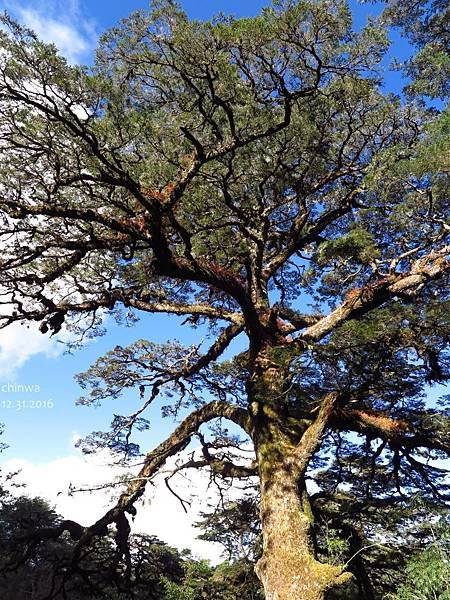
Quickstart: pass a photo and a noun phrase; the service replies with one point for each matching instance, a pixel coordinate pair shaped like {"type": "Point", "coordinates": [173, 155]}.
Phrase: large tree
{"type": "Point", "coordinates": [251, 176]}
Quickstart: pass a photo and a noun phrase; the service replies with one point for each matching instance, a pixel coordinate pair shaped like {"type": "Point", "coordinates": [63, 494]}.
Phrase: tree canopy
{"type": "Point", "coordinates": [252, 176]}
{"type": "Point", "coordinates": [425, 24]}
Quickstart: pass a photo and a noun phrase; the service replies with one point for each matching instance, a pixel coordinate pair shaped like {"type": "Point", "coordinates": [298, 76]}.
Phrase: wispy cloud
{"type": "Point", "coordinates": [59, 22]}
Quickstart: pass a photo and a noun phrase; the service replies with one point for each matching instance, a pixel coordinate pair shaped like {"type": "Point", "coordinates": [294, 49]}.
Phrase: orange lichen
{"type": "Point", "coordinates": [382, 422]}
{"type": "Point", "coordinates": [353, 295]}
{"type": "Point", "coordinates": [154, 194]}
{"type": "Point", "coordinates": [159, 195]}
{"type": "Point", "coordinates": [365, 292]}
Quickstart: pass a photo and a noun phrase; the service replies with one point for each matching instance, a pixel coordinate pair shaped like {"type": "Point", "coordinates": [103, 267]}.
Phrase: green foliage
{"type": "Point", "coordinates": [227, 581]}
{"type": "Point", "coordinates": [196, 583]}
{"type": "Point", "coordinates": [430, 70]}
{"type": "Point", "coordinates": [236, 527]}
{"type": "Point", "coordinates": [32, 566]}
{"type": "Point", "coordinates": [427, 574]}
{"type": "Point", "coordinates": [357, 244]}
{"type": "Point", "coordinates": [335, 545]}
{"type": "Point", "coordinates": [233, 173]}
{"type": "Point", "coordinates": [425, 24]}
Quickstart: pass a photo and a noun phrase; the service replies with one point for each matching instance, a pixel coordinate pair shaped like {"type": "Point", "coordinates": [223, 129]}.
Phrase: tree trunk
{"type": "Point", "coordinates": [288, 569]}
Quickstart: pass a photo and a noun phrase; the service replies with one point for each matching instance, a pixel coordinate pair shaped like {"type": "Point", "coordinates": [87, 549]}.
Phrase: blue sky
{"type": "Point", "coordinates": [45, 433]}
{"type": "Point", "coordinates": [74, 26]}
{"type": "Point", "coordinates": [41, 424]}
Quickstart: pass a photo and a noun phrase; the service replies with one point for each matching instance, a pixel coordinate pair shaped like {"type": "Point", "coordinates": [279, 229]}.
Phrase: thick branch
{"type": "Point", "coordinates": [153, 462]}
{"type": "Point", "coordinates": [156, 459]}
{"type": "Point", "coordinates": [297, 320]}
{"type": "Point", "coordinates": [406, 285]}
{"type": "Point", "coordinates": [174, 308]}
{"type": "Point", "coordinates": [219, 466]}
{"type": "Point", "coordinates": [215, 350]}
{"type": "Point", "coordinates": [398, 433]}
{"type": "Point", "coordinates": [311, 439]}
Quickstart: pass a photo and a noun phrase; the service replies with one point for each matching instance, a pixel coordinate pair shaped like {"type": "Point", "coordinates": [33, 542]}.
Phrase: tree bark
{"type": "Point", "coordinates": [288, 568]}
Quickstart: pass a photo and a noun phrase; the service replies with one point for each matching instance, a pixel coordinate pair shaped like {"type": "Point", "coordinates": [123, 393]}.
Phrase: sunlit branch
{"type": "Point", "coordinates": [433, 266]}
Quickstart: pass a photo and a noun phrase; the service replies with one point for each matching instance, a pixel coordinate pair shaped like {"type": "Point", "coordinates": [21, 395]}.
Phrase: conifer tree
{"type": "Point", "coordinates": [251, 176]}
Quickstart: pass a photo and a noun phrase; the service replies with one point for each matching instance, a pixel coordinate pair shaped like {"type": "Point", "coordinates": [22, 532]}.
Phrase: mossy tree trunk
{"type": "Point", "coordinates": [288, 568]}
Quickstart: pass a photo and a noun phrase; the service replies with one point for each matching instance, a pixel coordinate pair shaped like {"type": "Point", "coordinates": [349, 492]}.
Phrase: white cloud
{"type": "Point", "coordinates": [160, 515]}
{"type": "Point", "coordinates": [58, 22]}
{"type": "Point", "coordinates": [70, 42]}
{"type": "Point", "coordinates": [19, 343]}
